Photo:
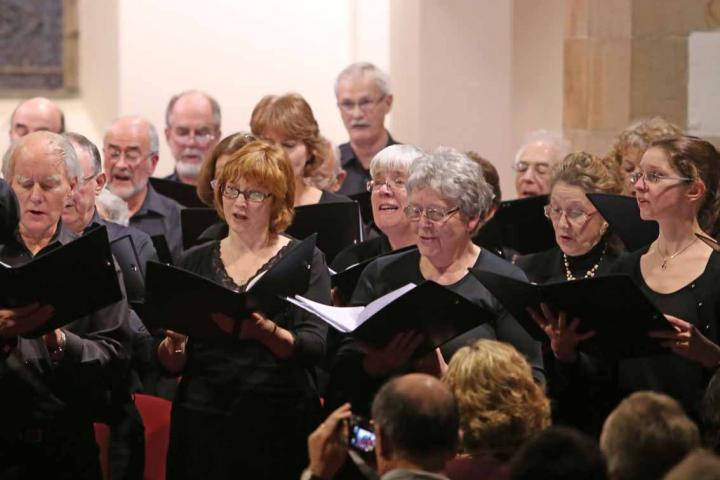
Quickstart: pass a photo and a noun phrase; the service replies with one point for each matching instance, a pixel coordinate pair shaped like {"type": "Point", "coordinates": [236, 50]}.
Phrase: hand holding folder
{"type": "Point", "coordinates": [429, 309]}
{"type": "Point", "coordinates": [612, 306]}
{"type": "Point", "coordinates": [184, 302]}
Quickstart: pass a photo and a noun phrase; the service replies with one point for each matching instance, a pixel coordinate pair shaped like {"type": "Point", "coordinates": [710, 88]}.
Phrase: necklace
{"type": "Point", "coordinates": [666, 258]}
{"type": "Point", "coordinates": [590, 273]}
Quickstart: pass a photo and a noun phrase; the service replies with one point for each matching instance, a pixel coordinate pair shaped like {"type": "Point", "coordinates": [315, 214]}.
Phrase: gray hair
{"type": "Point", "coordinates": [153, 139]}
{"type": "Point", "coordinates": [554, 140]}
{"type": "Point", "coordinates": [214, 105]}
{"type": "Point", "coordinates": [115, 208]}
{"type": "Point", "coordinates": [92, 150]}
{"type": "Point", "coordinates": [58, 146]}
{"type": "Point", "coordinates": [455, 178]}
{"type": "Point", "coordinates": [381, 79]}
{"type": "Point", "coordinates": [395, 157]}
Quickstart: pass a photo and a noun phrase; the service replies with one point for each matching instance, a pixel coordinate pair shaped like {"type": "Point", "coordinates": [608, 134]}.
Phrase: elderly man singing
{"type": "Point", "coordinates": [50, 385]}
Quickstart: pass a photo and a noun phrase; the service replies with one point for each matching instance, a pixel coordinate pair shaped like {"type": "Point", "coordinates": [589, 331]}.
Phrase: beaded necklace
{"type": "Point", "coordinates": [590, 273]}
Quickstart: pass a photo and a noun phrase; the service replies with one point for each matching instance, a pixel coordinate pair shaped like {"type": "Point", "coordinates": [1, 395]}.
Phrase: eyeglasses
{"type": "Point", "coordinates": [364, 104]}
{"type": "Point", "coordinates": [414, 212]}
{"type": "Point", "coordinates": [541, 167]}
{"type": "Point", "coordinates": [133, 155]}
{"type": "Point", "coordinates": [574, 216]}
{"type": "Point", "coordinates": [256, 196]}
{"type": "Point", "coordinates": [397, 183]}
{"type": "Point", "coordinates": [202, 136]}
{"type": "Point", "coordinates": [654, 177]}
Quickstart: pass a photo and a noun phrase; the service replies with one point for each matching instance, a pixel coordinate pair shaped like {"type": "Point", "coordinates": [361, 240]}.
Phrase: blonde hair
{"type": "Point", "coordinates": [501, 406]}
{"type": "Point", "coordinates": [641, 134]}
{"type": "Point", "coordinates": [588, 172]}
{"type": "Point", "coordinates": [268, 165]}
{"type": "Point", "coordinates": [291, 116]}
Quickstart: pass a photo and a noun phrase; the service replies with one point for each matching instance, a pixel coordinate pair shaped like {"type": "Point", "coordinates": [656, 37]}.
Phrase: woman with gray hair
{"type": "Point", "coordinates": [389, 172]}
{"type": "Point", "coordinates": [447, 196]}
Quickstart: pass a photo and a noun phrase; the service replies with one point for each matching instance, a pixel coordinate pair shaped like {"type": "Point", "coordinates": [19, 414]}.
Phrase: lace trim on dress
{"type": "Point", "coordinates": [218, 267]}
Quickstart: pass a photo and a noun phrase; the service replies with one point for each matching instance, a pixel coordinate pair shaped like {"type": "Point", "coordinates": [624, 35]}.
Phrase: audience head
{"type": "Point", "coordinates": [501, 406]}
{"type": "Point", "coordinates": [215, 161]}
{"type": "Point", "coordinates": [389, 170]}
{"type": "Point", "coordinates": [112, 208]}
{"type": "Point", "coordinates": [491, 176]}
{"type": "Point", "coordinates": [288, 121]}
{"type": "Point", "coordinates": [192, 128]}
{"type": "Point", "coordinates": [635, 139]}
{"type": "Point", "coordinates": [698, 465]}
{"type": "Point", "coordinates": [330, 175]}
{"type": "Point", "coordinates": [130, 151]}
{"type": "Point", "coordinates": [679, 176]}
{"type": "Point", "coordinates": [559, 453]}
{"type": "Point", "coordinates": [710, 413]}
{"type": "Point", "coordinates": [577, 223]}
{"type": "Point", "coordinates": [36, 114]}
{"type": "Point", "coordinates": [255, 190]}
{"type": "Point", "coordinates": [534, 160]}
{"type": "Point", "coordinates": [645, 436]}
{"type": "Point", "coordinates": [9, 214]}
{"type": "Point", "coordinates": [80, 207]}
{"type": "Point", "coordinates": [416, 422]}
{"type": "Point", "coordinates": [363, 96]}
{"type": "Point", "coordinates": [447, 196]}
{"type": "Point", "coordinates": [42, 168]}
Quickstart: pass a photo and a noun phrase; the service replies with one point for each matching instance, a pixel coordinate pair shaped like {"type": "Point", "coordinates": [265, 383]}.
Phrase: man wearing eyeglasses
{"type": "Point", "coordinates": [364, 99]}
{"type": "Point", "coordinates": [130, 154]}
{"type": "Point", "coordinates": [535, 159]}
{"type": "Point", "coordinates": [192, 129]}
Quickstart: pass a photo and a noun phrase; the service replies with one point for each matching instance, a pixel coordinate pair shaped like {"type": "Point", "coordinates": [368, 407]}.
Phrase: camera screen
{"type": "Point", "coordinates": [362, 439]}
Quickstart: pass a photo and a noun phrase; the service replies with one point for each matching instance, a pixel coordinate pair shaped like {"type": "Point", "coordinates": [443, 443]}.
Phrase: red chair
{"type": "Point", "coordinates": [102, 437]}
{"type": "Point", "coordinates": [155, 413]}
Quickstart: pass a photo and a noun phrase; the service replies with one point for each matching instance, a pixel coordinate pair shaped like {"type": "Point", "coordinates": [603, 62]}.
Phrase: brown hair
{"type": "Point", "coordinates": [269, 166]}
{"type": "Point", "coordinates": [640, 135]}
{"type": "Point", "coordinates": [226, 146]}
{"type": "Point", "coordinates": [490, 173]}
{"type": "Point", "coordinates": [696, 158]}
{"type": "Point", "coordinates": [646, 435]}
{"type": "Point", "coordinates": [501, 406]}
{"type": "Point", "coordinates": [589, 173]}
{"type": "Point", "coordinates": [291, 116]}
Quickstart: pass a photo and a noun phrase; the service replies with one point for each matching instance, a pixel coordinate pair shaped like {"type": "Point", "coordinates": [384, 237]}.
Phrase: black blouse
{"type": "Point", "coordinates": [549, 266]}
{"type": "Point", "coordinates": [219, 378]}
{"type": "Point", "coordinates": [391, 272]}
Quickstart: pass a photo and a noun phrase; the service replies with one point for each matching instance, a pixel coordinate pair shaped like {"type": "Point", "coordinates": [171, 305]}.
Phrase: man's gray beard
{"type": "Point", "coordinates": [188, 169]}
{"type": "Point", "coordinates": [128, 193]}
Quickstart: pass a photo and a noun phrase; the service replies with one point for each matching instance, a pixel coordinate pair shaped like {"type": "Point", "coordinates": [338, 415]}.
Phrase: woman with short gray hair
{"type": "Point", "coordinates": [447, 196]}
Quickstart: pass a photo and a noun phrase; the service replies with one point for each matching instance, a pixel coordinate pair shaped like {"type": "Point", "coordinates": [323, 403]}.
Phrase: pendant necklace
{"type": "Point", "coordinates": [667, 258]}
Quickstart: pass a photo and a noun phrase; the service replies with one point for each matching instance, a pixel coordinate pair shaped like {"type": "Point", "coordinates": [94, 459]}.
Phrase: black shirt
{"type": "Point", "coordinates": [357, 175]}
{"type": "Point", "coordinates": [361, 252]}
{"type": "Point", "coordinates": [143, 244]}
{"type": "Point", "coordinates": [160, 215]}
{"type": "Point", "coordinates": [350, 382]}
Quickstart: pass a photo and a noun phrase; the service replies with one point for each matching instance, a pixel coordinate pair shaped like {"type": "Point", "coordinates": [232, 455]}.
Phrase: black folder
{"type": "Point", "coordinates": [520, 225]}
{"type": "Point", "coordinates": [162, 248]}
{"type": "Point", "coordinates": [346, 280]}
{"type": "Point", "coordinates": [623, 215]}
{"type": "Point", "coordinates": [429, 308]}
{"type": "Point", "coordinates": [710, 242]}
{"type": "Point", "coordinates": [337, 225]}
{"type": "Point", "coordinates": [612, 305]}
{"type": "Point", "coordinates": [184, 194]}
{"type": "Point", "coordinates": [184, 301]}
{"type": "Point", "coordinates": [125, 253]}
{"type": "Point", "coordinates": [363, 200]}
{"type": "Point", "coordinates": [194, 221]}
{"type": "Point", "coordinates": [76, 279]}
{"type": "Point", "coordinates": [9, 213]}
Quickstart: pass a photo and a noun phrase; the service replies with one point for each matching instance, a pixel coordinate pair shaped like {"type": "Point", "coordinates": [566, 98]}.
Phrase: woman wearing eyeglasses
{"type": "Point", "coordinates": [584, 246]}
{"type": "Point", "coordinates": [447, 196]}
{"type": "Point", "coordinates": [677, 186]}
{"type": "Point", "coordinates": [389, 171]}
{"type": "Point", "coordinates": [287, 120]}
{"type": "Point", "coordinates": [240, 406]}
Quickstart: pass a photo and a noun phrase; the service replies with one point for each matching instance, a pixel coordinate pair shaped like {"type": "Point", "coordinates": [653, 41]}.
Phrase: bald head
{"type": "Point", "coordinates": [418, 421]}
{"type": "Point", "coordinates": [36, 114]}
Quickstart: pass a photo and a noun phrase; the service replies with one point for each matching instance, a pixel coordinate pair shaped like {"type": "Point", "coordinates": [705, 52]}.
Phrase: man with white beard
{"type": "Point", "coordinates": [130, 153]}
{"type": "Point", "coordinates": [192, 120]}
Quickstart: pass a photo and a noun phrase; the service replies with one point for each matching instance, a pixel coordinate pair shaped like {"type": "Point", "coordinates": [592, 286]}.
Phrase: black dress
{"type": "Point", "coordinates": [682, 379]}
{"type": "Point", "coordinates": [350, 382]}
{"type": "Point", "coordinates": [241, 412]}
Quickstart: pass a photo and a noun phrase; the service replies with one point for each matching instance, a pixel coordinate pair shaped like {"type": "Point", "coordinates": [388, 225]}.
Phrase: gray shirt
{"type": "Point", "coordinates": [160, 215]}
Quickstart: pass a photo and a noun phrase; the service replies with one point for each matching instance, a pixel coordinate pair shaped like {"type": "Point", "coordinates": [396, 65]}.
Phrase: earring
{"type": "Point", "coordinates": [603, 228]}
